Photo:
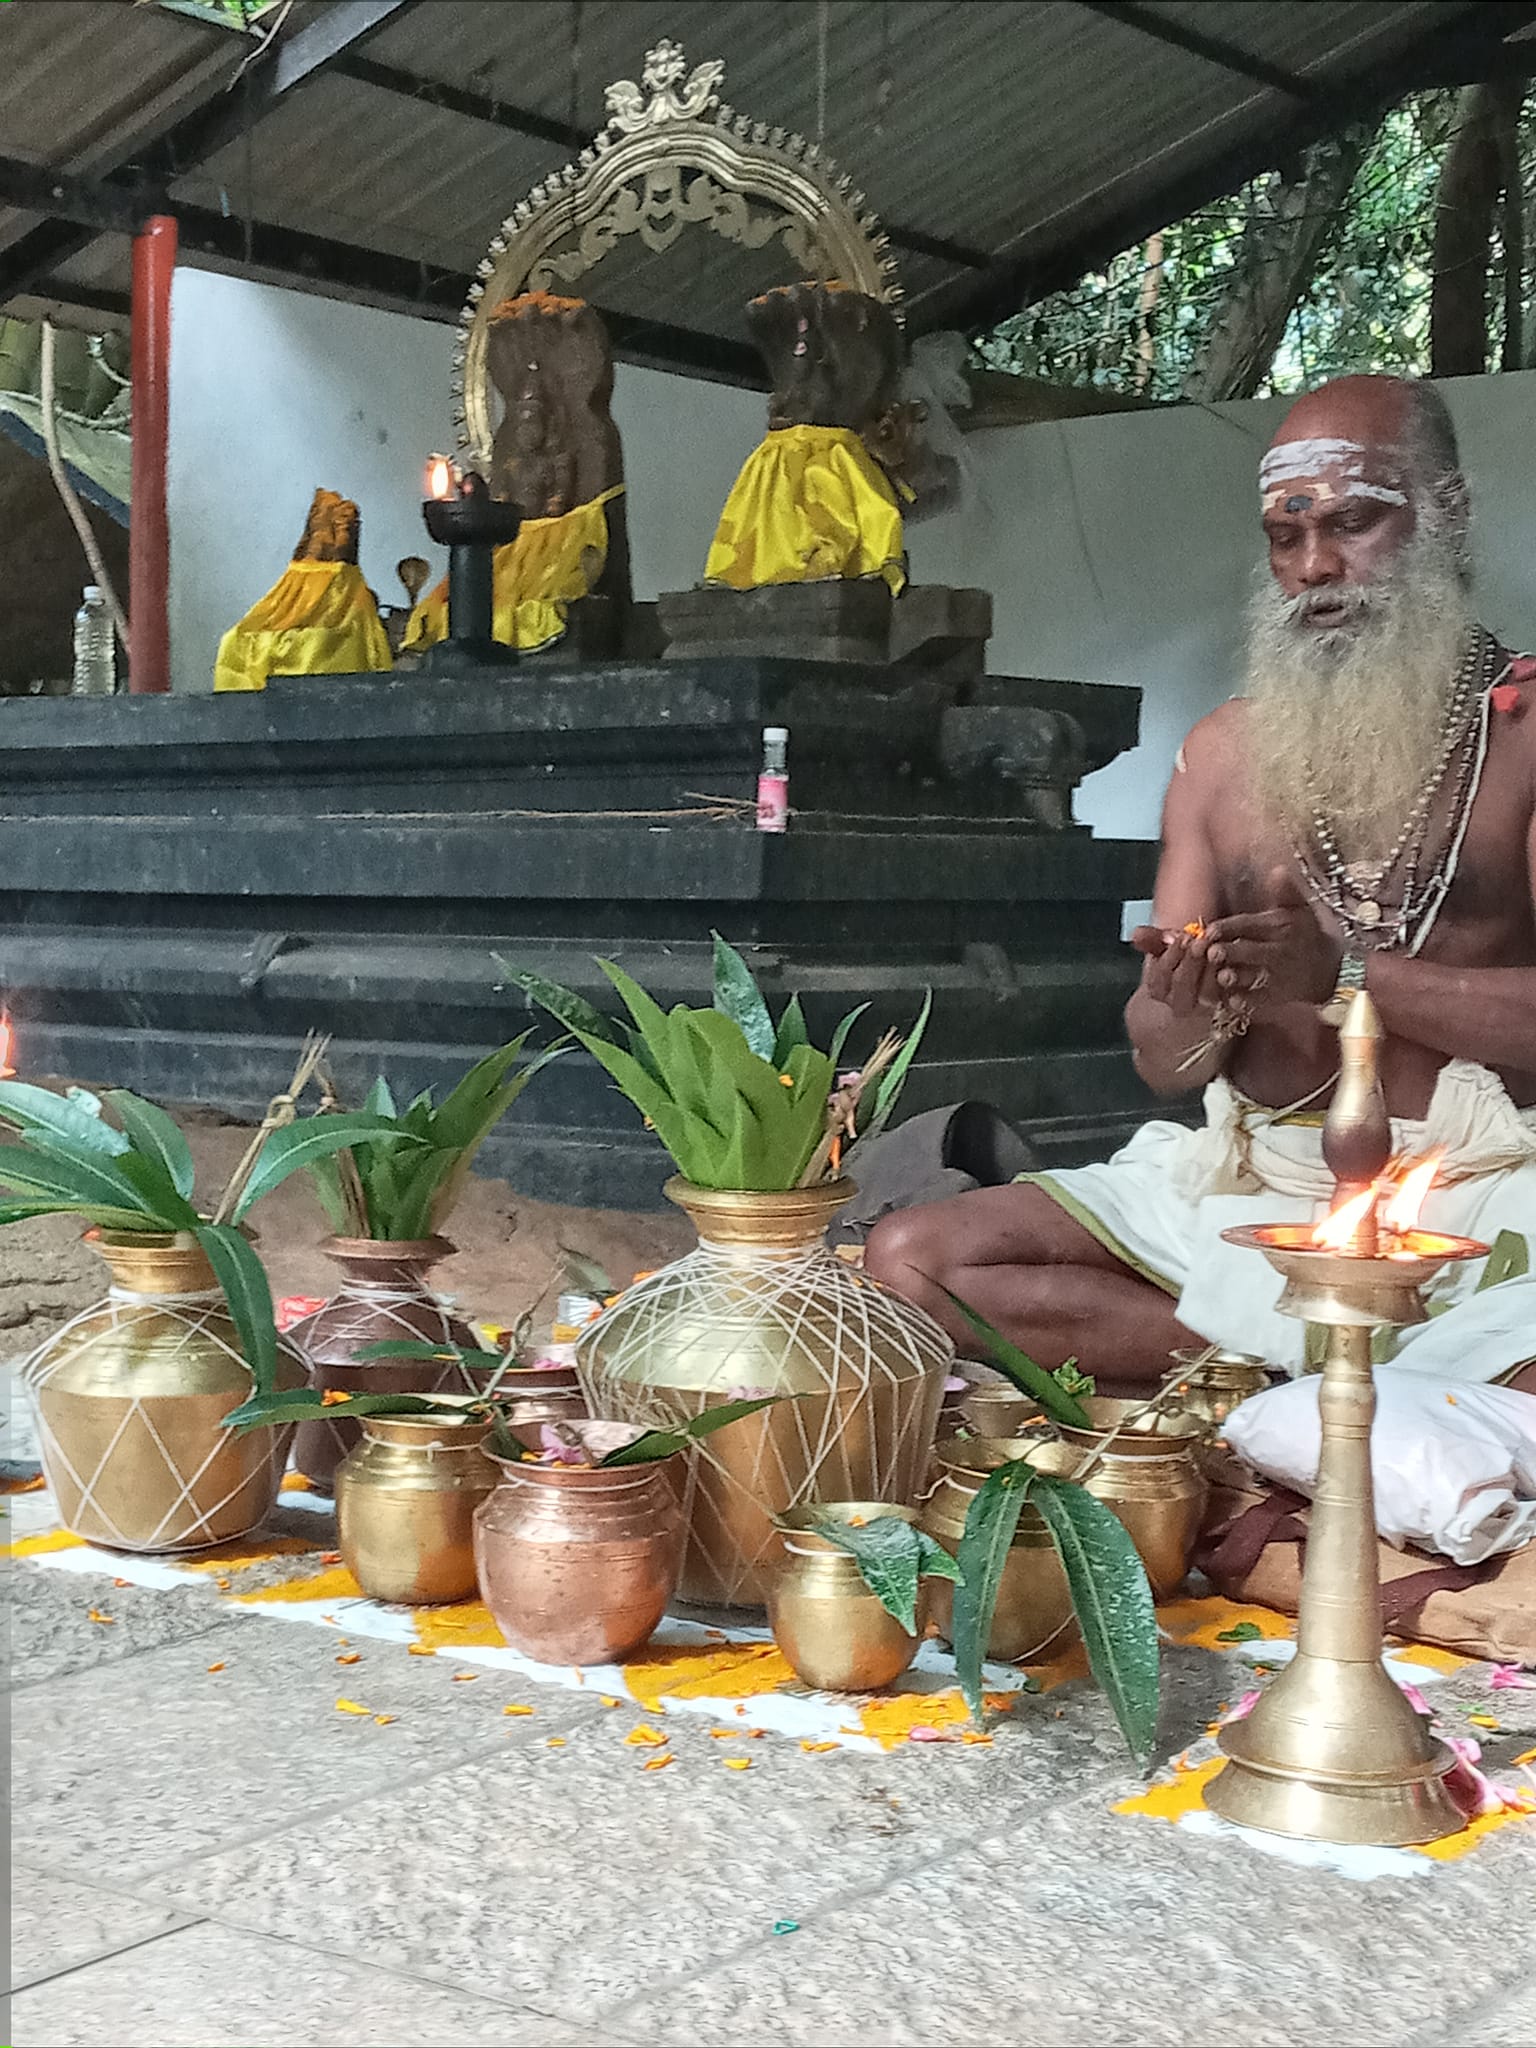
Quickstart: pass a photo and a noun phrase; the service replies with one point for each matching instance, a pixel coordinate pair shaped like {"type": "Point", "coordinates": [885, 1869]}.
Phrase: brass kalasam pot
{"type": "Point", "coordinates": [824, 1618]}
{"type": "Point", "coordinates": [1034, 1617]}
{"type": "Point", "coordinates": [405, 1504]}
{"type": "Point", "coordinates": [130, 1399]}
{"type": "Point", "coordinates": [762, 1307]}
{"type": "Point", "coordinates": [384, 1298]}
{"type": "Point", "coordinates": [1218, 1382]}
{"type": "Point", "coordinates": [577, 1563]}
{"type": "Point", "coordinates": [1150, 1478]}
{"type": "Point", "coordinates": [536, 1395]}
{"type": "Point", "coordinates": [997, 1409]}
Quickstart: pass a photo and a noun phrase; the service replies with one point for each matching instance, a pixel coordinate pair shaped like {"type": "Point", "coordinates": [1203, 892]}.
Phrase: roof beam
{"type": "Point", "coordinates": [117, 206]}
{"type": "Point", "coordinates": [1196, 43]}
{"type": "Point", "coordinates": [272, 71]}
{"type": "Point", "coordinates": [474, 106]}
{"type": "Point", "coordinates": [1468, 46]}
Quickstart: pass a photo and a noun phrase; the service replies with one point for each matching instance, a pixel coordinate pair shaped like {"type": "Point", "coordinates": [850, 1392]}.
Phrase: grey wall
{"type": "Point", "coordinates": [1118, 549]}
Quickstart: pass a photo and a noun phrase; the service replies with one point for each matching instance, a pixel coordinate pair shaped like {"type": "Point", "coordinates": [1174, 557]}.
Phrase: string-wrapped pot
{"type": "Point", "coordinates": [762, 1307]}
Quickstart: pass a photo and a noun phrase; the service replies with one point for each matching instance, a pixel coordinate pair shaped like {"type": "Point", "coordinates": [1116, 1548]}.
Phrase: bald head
{"type": "Point", "coordinates": [1384, 417]}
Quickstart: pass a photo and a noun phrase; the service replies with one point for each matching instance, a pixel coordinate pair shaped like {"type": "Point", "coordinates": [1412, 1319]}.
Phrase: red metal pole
{"type": "Point", "coordinates": [149, 539]}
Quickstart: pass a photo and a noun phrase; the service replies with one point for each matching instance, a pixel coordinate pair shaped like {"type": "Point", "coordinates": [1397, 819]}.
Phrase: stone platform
{"type": "Point", "coordinates": [189, 884]}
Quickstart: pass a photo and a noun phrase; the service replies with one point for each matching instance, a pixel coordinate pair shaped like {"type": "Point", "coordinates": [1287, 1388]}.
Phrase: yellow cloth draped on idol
{"type": "Point", "coordinates": [536, 579]}
{"type": "Point", "coordinates": [319, 617]}
{"type": "Point", "coordinates": [811, 503]}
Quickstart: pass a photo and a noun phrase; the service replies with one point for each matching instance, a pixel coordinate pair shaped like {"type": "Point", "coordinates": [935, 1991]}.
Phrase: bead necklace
{"type": "Point", "coordinates": [1353, 890]}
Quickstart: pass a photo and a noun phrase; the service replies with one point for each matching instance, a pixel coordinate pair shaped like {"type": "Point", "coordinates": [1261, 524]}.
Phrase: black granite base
{"type": "Point", "coordinates": [189, 884]}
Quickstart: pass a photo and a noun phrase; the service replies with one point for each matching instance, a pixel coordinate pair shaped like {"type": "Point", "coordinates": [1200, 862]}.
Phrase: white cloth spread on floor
{"type": "Point", "coordinates": [1162, 1202]}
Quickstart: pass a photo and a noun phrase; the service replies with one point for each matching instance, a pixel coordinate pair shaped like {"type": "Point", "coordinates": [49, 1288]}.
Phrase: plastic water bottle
{"type": "Point", "coordinates": [95, 655]}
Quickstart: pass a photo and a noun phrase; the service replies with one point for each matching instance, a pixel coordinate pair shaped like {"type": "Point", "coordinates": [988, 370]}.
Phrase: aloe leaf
{"type": "Point", "coordinates": [737, 996]}
{"type": "Point", "coordinates": [981, 1554]}
{"type": "Point", "coordinates": [239, 1272]}
{"type": "Point", "coordinates": [1113, 1602]}
{"type": "Point", "coordinates": [1030, 1378]}
{"type": "Point", "coordinates": [316, 1137]}
{"type": "Point", "coordinates": [840, 1035]}
{"type": "Point", "coordinates": [408, 1188]}
{"type": "Point", "coordinates": [664, 1443]}
{"type": "Point", "coordinates": [889, 1557]}
{"type": "Point", "coordinates": [39, 1110]}
{"type": "Point", "coordinates": [75, 1180]}
{"type": "Point", "coordinates": [460, 1121]}
{"type": "Point", "coordinates": [893, 1080]}
{"type": "Point", "coordinates": [156, 1137]}
{"type": "Point", "coordinates": [1509, 1258]}
{"type": "Point", "coordinates": [790, 1034]}
{"type": "Point", "coordinates": [325, 1178]}
{"type": "Point", "coordinates": [563, 1004]}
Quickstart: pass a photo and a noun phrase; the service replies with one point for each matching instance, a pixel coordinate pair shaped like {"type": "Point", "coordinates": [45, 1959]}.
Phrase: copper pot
{"type": "Point", "coordinates": [578, 1563]}
{"type": "Point", "coordinates": [130, 1400]}
{"type": "Point", "coordinates": [405, 1503]}
{"type": "Point", "coordinates": [1033, 1616]}
{"type": "Point", "coordinates": [831, 1627]}
{"type": "Point", "coordinates": [534, 1395]}
{"type": "Point", "coordinates": [384, 1298]}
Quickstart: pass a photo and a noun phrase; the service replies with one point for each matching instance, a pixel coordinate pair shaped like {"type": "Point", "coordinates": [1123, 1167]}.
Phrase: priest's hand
{"type": "Point", "coordinates": [1274, 956]}
{"type": "Point", "coordinates": [1178, 972]}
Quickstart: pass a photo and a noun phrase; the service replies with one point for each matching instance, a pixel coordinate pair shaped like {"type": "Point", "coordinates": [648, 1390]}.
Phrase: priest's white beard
{"type": "Point", "coordinates": [1351, 718]}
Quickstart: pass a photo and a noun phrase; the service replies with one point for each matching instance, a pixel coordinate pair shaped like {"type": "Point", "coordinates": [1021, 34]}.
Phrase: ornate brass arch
{"type": "Point", "coordinates": [665, 162]}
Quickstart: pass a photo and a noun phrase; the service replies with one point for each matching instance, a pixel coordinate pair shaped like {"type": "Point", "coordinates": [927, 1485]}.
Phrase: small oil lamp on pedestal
{"type": "Point", "coordinates": [1332, 1751]}
{"type": "Point", "coordinates": [462, 516]}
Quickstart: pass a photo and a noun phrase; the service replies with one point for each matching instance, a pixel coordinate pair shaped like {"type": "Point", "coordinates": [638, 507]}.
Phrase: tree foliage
{"type": "Point", "coordinates": [1145, 323]}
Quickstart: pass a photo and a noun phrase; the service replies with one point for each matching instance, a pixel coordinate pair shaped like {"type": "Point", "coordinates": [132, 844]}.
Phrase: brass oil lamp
{"type": "Point", "coordinates": [1332, 1751]}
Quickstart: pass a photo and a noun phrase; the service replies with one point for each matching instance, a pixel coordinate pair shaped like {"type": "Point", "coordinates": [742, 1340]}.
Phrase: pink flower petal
{"type": "Point", "coordinates": [1416, 1700]}
{"type": "Point", "coordinates": [1511, 1678]}
{"type": "Point", "coordinates": [1242, 1709]}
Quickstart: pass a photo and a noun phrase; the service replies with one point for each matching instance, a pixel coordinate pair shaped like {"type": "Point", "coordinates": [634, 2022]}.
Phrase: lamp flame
{"type": "Point", "coordinates": [439, 477]}
{"type": "Point", "coordinates": [1338, 1229]}
{"type": "Point", "coordinates": [1401, 1213]}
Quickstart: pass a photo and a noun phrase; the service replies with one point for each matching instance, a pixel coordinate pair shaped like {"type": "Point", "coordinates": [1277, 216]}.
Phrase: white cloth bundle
{"type": "Point", "coordinates": [1454, 1464]}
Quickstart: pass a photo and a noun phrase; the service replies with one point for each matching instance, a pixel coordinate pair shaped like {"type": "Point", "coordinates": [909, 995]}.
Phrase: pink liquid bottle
{"type": "Point", "coordinates": [773, 783]}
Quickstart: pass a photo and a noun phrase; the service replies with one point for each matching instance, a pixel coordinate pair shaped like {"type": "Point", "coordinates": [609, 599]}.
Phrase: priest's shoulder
{"type": "Point", "coordinates": [1214, 744]}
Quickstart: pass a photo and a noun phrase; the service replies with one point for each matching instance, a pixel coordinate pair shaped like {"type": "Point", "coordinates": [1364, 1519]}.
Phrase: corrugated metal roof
{"type": "Point", "coordinates": [1023, 134]}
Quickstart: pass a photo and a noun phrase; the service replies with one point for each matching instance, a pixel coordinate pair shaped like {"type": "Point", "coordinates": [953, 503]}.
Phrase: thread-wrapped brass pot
{"type": "Point", "coordinates": [762, 1307]}
{"type": "Point", "coordinates": [1034, 1616]}
{"type": "Point", "coordinates": [830, 1626]}
{"type": "Point", "coordinates": [1218, 1382]}
{"type": "Point", "coordinates": [383, 1298]}
{"type": "Point", "coordinates": [130, 1399]}
{"type": "Point", "coordinates": [577, 1563]}
{"type": "Point", "coordinates": [1149, 1477]}
{"type": "Point", "coordinates": [405, 1503]}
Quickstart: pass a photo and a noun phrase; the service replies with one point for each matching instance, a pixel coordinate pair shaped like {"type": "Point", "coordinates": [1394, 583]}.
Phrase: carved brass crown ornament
{"type": "Point", "coordinates": [670, 157]}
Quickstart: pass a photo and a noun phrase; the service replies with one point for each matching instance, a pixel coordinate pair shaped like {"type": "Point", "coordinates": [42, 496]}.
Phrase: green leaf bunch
{"type": "Point", "coordinates": [391, 1174]}
{"type": "Point", "coordinates": [1056, 1392]}
{"type": "Point", "coordinates": [739, 1101]}
{"type": "Point", "coordinates": [892, 1555]}
{"type": "Point", "coordinates": [134, 1177]}
{"type": "Point", "coordinates": [1111, 1596]}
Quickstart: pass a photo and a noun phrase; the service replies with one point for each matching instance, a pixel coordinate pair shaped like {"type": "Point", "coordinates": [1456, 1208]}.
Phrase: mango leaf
{"type": "Point", "coordinates": [461, 1120]}
{"type": "Point", "coordinates": [563, 1004]}
{"type": "Point", "coordinates": [891, 1556]}
{"type": "Point", "coordinates": [990, 1522]}
{"type": "Point", "coordinates": [583, 1274]}
{"type": "Point", "coordinates": [104, 1219]}
{"type": "Point", "coordinates": [665, 1443]}
{"type": "Point", "coordinates": [1113, 1602]}
{"type": "Point", "coordinates": [380, 1101]}
{"type": "Point", "coordinates": [316, 1137]}
{"type": "Point", "coordinates": [1509, 1258]}
{"type": "Point", "coordinates": [840, 1035]}
{"type": "Point", "coordinates": [325, 1177]}
{"type": "Point", "coordinates": [39, 1110]}
{"type": "Point", "coordinates": [893, 1080]}
{"type": "Point", "coordinates": [1030, 1378]}
{"type": "Point", "coordinates": [398, 1347]}
{"type": "Point", "coordinates": [737, 996]}
{"type": "Point", "coordinates": [155, 1188]}
{"type": "Point", "coordinates": [74, 1180]}
{"type": "Point", "coordinates": [239, 1272]}
{"type": "Point", "coordinates": [156, 1136]}
{"type": "Point", "coordinates": [791, 1032]}
{"type": "Point", "coordinates": [266, 1411]}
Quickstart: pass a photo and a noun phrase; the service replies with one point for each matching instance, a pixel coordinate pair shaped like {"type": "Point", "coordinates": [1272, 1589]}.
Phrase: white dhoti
{"type": "Point", "coordinates": [1161, 1204]}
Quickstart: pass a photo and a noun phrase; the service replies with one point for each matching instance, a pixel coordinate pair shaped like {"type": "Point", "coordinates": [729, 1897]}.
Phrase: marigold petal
{"type": "Point", "coordinates": [656, 1763]}
{"type": "Point", "coordinates": [350, 1657]}
{"type": "Point", "coordinates": [646, 1737]}
{"type": "Point", "coordinates": [737, 1763]}
{"type": "Point", "coordinates": [517, 1710]}
{"type": "Point", "coordinates": [352, 1707]}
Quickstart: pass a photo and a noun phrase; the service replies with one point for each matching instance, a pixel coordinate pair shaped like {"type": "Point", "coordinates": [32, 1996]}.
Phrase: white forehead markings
{"type": "Point", "coordinates": [1305, 458]}
{"type": "Point", "coordinates": [1387, 497]}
